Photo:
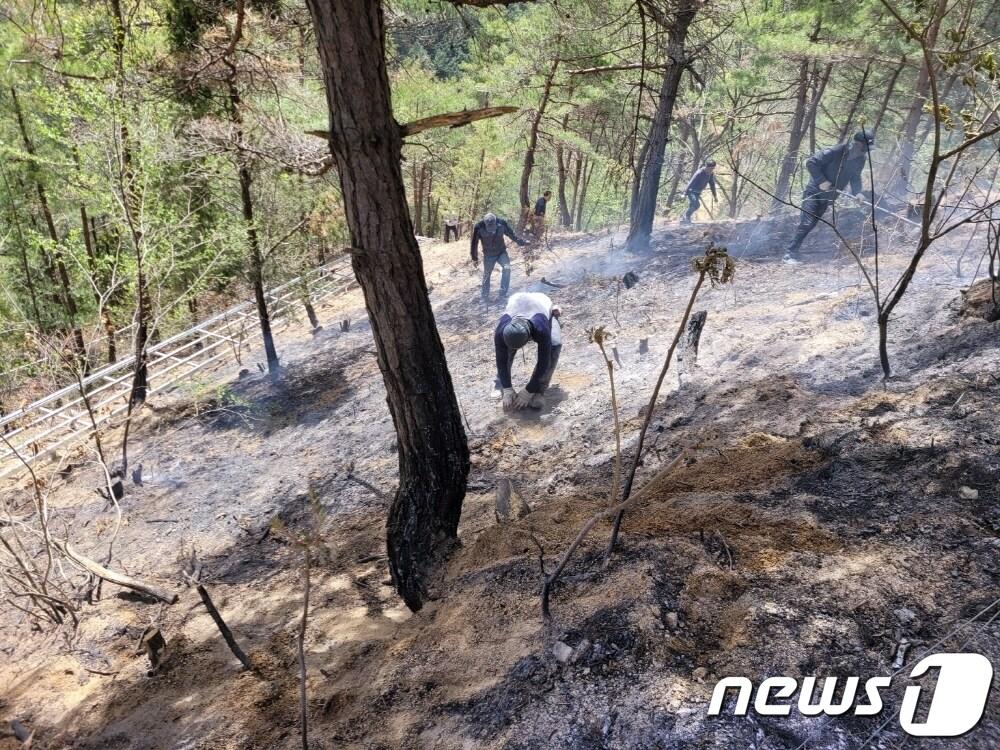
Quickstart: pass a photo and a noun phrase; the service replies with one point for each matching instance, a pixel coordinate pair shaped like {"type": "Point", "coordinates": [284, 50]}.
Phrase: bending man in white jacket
{"type": "Point", "coordinates": [529, 316]}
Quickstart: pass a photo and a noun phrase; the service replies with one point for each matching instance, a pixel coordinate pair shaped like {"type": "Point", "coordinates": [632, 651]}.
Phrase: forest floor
{"type": "Point", "coordinates": [827, 523]}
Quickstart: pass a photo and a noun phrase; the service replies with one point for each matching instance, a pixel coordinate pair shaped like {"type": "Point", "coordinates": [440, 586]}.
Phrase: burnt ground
{"type": "Point", "coordinates": [823, 518]}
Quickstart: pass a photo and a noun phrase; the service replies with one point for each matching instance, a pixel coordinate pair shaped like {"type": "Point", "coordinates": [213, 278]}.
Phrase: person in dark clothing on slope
{"type": "Point", "coordinates": [538, 215]}
{"type": "Point", "coordinates": [490, 232]}
{"type": "Point", "coordinates": [830, 171]}
{"type": "Point", "coordinates": [704, 177]}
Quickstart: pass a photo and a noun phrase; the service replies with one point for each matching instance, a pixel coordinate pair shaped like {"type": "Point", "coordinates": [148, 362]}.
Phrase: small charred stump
{"type": "Point", "coordinates": [510, 506]}
{"type": "Point", "coordinates": [154, 644]}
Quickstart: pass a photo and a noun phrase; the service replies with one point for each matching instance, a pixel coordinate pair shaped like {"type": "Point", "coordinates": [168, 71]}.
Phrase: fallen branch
{"type": "Point", "coordinates": [111, 576]}
{"type": "Point", "coordinates": [447, 120]}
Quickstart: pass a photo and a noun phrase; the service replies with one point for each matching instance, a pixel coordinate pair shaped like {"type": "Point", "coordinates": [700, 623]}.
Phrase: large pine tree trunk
{"type": "Point", "coordinates": [648, 188]}
{"type": "Point", "coordinates": [366, 142]}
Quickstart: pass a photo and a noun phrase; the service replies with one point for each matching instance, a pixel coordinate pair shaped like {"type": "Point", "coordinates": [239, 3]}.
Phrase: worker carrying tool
{"type": "Point", "coordinates": [704, 177]}
{"type": "Point", "coordinates": [830, 172]}
{"type": "Point", "coordinates": [491, 231]}
{"type": "Point", "coordinates": [529, 316]}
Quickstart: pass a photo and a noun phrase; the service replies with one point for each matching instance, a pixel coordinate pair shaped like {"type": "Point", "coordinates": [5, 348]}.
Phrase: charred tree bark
{"type": "Point", "coordinates": [366, 143]}
{"type": "Point", "coordinates": [529, 153]}
{"type": "Point", "coordinates": [648, 189]}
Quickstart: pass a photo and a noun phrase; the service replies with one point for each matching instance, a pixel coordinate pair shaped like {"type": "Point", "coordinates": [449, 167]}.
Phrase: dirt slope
{"type": "Point", "coordinates": [824, 518]}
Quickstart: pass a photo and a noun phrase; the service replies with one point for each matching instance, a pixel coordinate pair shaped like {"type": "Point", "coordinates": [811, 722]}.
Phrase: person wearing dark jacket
{"type": "Point", "coordinates": [704, 177]}
{"type": "Point", "coordinates": [830, 171]}
{"type": "Point", "coordinates": [491, 232]}
{"type": "Point", "coordinates": [538, 215]}
{"type": "Point", "coordinates": [529, 316]}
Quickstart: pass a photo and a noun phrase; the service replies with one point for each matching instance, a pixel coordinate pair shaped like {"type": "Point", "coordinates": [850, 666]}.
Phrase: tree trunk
{"type": "Point", "coordinates": [474, 206]}
{"type": "Point", "coordinates": [565, 218]}
{"type": "Point", "coordinates": [99, 281]}
{"type": "Point", "coordinates": [588, 172]}
{"type": "Point", "coordinates": [366, 143]}
{"type": "Point", "coordinates": [890, 87]}
{"type": "Point", "coordinates": [68, 301]}
{"type": "Point", "coordinates": [899, 188]}
{"type": "Point", "coordinates": [23, 251]}
{"type": "Point", "coordinates": [529, 154]}
{"type": "Point", "coordinates": [680, 166]}
{"type": "Point", "coordinates": [648, 188]}
{"type": "Point", "coordinates": [848, 125]}
{"type": "Point", "coordinates": [131, 203]}
{"type": "Point", "coordinates": [796, 131]}
{"type": "Point", "coordinates": [256, 256]}
{"type": "Point", "coordinates": [820, 81]}
{"type": "Point", "coordinates": [418, 198]}
{"type": "Point", "coordinates": [578, 156]}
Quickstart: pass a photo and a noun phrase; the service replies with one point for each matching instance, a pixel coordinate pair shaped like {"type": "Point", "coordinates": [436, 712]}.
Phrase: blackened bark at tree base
{"type": "Point", "coordinates": [883, 345]}
{"type": "Point", "coordinates": [366, 145]}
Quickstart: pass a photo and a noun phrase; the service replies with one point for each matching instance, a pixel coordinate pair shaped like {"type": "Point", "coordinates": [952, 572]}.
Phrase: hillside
{"type": "Point", "coordinates": [822, 519]}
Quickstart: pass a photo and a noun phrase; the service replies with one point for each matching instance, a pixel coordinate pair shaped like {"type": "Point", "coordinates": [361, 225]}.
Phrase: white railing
{"type": "Point", "coordinates": [60, 419]}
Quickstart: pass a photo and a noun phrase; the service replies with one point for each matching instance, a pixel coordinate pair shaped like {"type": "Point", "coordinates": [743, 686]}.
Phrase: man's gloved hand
{"type": "Point", "coordinates": [825, 185]}
{"type": "Point", "coordinates": [537, 401]}
{"type": "Point", "coordinates": [556, 311]}
{"type": "Point", "coordinates": [520, 242]}
{"type": "Point", "coordinates": [508, 398]}
{"type": "Point", "coordinates": [523, 399]}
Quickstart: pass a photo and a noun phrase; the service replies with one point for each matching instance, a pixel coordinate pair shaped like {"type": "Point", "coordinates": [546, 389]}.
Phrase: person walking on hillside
{"type": "Point", "coordinates": [490, 231]}
{"type": "Point", "coordinates": [702, 178]}
{"type": "Point", "coordinates": [538, 215]}
{"type": "Point", "coordinates": [830, 171]}
{"type": "Point", "coordinates": [451, 227]}
{"type": "Point", "coordinates": [529, 316]}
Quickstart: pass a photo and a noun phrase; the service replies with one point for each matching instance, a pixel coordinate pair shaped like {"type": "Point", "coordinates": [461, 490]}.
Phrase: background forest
{"type": "Point", "coordinates": [157, 166]}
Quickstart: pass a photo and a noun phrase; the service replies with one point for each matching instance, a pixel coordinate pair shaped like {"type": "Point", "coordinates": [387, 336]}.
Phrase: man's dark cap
{"type": "Point", "coordinates": [865, 137]}
{"type": "Point", "coordinates": [516, 333]}
{"type": "Point", "coordinates": [710, 163]}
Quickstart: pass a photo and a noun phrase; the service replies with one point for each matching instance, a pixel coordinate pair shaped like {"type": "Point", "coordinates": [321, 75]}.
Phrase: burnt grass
{"type": "Point", "coordinates": [678, 607]}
